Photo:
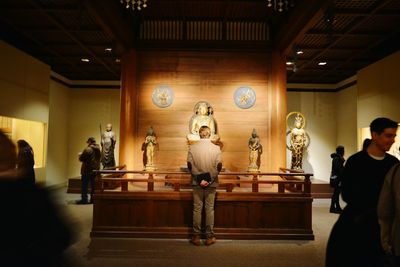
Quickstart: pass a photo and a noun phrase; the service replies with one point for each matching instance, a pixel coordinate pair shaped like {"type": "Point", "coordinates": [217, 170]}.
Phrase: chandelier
{"type": "Point", "coordinates": [134, 4]}
{"type": "Point", "coordinates": [280, 5]}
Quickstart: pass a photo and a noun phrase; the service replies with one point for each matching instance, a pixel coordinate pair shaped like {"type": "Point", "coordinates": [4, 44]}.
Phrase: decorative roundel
{"type": "Point", "coordinates": [244, 97]}
{"type": "Point", "coordinates": [162, 96]}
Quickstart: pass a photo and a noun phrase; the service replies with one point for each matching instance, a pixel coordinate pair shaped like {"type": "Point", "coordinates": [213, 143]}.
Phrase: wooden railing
{"type": "Point", "coordinates": [180, 179]}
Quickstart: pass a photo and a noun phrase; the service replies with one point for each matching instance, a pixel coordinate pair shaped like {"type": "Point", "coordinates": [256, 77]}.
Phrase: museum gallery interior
{"type": "Point", "coordinates": [262, 73]}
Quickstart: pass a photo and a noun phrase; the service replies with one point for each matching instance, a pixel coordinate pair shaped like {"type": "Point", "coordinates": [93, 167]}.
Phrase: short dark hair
{"type": "Point", "coordinates": [380, 124]}
{"type": "Point", "coordinates": [340, 150]}
{"type": "Point", "coordinates": [91, 140]}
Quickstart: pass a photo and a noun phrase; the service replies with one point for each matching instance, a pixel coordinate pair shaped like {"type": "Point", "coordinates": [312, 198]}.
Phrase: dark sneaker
{"type": "Point", "coordinates": [210, 240]}
{"type": "Point", "coordinates": [195, 240]}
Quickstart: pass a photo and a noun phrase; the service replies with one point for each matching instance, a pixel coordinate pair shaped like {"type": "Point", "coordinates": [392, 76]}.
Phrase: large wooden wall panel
{"type": "Point", "coordinates": [169, 214]}
{"type": "Point", "coordinates": [211, 77]}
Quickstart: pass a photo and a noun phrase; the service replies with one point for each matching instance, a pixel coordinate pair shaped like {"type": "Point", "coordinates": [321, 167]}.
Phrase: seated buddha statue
{"type": "Point", "coordinates": [202, 117]}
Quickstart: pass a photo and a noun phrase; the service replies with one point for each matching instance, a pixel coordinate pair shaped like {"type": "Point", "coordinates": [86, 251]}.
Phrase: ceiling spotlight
{"type": "Point", "coordinates": [289, 63]}
{"type": "Point", "coordinates": [108, 49]}
{"type": "Point", "coordinates": [299, 52]}
{"type": "Point", "coordinates": [85, 60]}
{"type": "Point", "coordinates": [322, 63]}
{"type": "Point", "coordinates": [134, 4]}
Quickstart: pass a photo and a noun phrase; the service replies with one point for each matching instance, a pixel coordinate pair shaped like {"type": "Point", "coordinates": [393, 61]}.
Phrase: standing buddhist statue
{"type": "Point", "coordinates": [108, 141]}
{"type": "Point", "coordinates": [148, 148]}
{"type": "Point", "coordinates": [298, 140]}
{"type": "Point", "coordinates": [255, 152]}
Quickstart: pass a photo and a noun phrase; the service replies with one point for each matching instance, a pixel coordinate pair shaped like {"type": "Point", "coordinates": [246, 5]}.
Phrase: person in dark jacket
{"type": "Point", "coordinates": [26, 161]}
{"type": "Point", "coordinates": [336, 178]}
{"type": "Point", "coordinates": [33, 230]}
{"type": "Point", "coordinates": [90, 158]}
{"type": "Point", "coordinates": [355, 238]}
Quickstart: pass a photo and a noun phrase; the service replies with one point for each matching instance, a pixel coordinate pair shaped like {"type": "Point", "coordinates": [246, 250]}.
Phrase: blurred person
{"type": "Point", "coordinates": [366, 143]}
{"type": "Point", "coordinates": [355, 237]}
{"type": "Point", "coordinates": [90, 158]}
{"type": "Point", "coordinates": [26, 161]}
{"type": "Point", "coordinates": [389, 214]}
{"type": "Point", "coordinates": [336, 178]}
{"type": "Point", "coordinates": [204, 163]}
{"type": "Point", "coordinates": [31, 229]}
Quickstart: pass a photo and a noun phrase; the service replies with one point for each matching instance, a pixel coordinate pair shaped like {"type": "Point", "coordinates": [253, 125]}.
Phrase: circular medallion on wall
{"type": "Point", "coordinates": [162, 96]}
{"type": "Point", "coordinates": [244, 97]}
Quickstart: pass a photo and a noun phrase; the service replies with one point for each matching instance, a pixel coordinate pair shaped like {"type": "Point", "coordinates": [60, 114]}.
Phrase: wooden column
{"type": "Point", "coordinates": [128, 114]}
{"type": "Point", "coordinates": [277, 109]}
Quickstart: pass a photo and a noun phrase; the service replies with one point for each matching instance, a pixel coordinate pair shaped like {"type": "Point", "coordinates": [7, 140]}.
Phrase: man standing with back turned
{"type": "Point", "coordinates": [204, 163]}
{"type": "Point", "coordinates": [355, 237]}
{"type": "Point", "coordinates": [90, 158]}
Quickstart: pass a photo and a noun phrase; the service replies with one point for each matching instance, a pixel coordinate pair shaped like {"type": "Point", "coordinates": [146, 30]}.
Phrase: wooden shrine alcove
{"type": "Point", "coordinates": [260, 208]}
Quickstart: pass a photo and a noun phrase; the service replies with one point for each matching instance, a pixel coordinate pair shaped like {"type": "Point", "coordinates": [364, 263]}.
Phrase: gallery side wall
{"type": "Point", "coordinates": [212, 77]}
{"type": "Point", "coordinates": [24, 85]}
{"type": "Point", "coordinates": [88, 109]}
{"type": "Point", "coordinates": [346, 119]}
{"type": "Point", "coordinates": [57, 153]}
{"type": "Point", "coordinates": [378, 90]}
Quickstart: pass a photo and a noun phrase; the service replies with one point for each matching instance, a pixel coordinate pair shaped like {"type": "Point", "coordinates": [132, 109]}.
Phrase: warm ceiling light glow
{"type": "Point", "coordinates": [85, 60]}
{"type": "Point", "coordinates": [299, 52]}
{"type": "Point", "coordinates": [289, 63]}
{"type": "Point", "coordinates": [322, 63]}
{"type": "Point", "coordinates": [108, 49]}
{"type": "Point", "coordinates": [117, 60]}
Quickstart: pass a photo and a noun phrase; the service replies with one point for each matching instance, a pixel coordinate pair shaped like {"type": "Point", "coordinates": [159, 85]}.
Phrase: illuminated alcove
{"type": "Point", "coordinates": [31, 131]}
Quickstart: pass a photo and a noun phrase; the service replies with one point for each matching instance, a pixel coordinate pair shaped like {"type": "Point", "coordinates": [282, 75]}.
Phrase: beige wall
{"type": "Point", "coordinates": [378, 91]}
{"type": "Point", "coordinates": [24, 85]}
{"type": "Point", "coordinates": [88, 108]}
{"type": "Point", "coordinates": [319, 110]}
{"type": "Point", "coordinates": [346, 117]}
{"type": "Point", "coordinates": [57, 154]}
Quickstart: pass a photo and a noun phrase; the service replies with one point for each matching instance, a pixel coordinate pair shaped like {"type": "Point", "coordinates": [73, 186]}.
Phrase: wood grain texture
{"type": "Point", "coordinates": [169, 215]}
{"type": "Point", "coordinates": [211, 77]}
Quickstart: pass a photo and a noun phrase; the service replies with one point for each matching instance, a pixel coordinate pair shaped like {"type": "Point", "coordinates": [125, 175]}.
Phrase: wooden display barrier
{"type": "Point", "coordinates": [75, 184]}
{"type": "Point", "coordinates": [159, 211]}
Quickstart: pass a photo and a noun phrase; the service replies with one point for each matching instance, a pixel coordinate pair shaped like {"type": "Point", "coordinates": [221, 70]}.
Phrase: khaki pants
{"type": "Point", "coordinates": [200, 197]}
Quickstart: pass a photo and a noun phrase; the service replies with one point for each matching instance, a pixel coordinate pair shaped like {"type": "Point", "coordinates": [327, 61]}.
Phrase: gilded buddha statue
{"type": "Point", "coordinates": [202, 117]}
{"type": "Point", "coordinates": [298, 140]}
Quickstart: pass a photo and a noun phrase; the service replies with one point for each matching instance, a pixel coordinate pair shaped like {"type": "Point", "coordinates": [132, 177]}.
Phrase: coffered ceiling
{"type": "Point", "coordinates": [345, 34]}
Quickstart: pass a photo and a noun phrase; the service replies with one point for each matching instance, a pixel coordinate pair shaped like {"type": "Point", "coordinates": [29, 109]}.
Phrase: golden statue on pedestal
{"type": "Point", "coordinates": [203, 117]}
{"type": "Point", "coordinates": [298, 139]}
{"type": "Point", "coordinates": [255, 152]}
{"type": "Point", "coordinates": [148, 147]}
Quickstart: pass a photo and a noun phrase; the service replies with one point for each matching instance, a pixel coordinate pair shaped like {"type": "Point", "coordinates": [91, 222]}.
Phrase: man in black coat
{"type": "Point", "coordinates": [90, 158]}
{"type": "Point", "coordinates": [355, 237]}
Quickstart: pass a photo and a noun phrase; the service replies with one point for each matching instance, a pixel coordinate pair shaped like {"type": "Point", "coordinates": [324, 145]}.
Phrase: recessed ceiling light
{"type": "Point", "coordinates": [299, 52]}
{"type": "Point", "coordinates": [289, 63]}
{"type": "Point", "coordinates": [108, 49]}
{"type": "Point", "coordinates": [322, 63]}
{"type": "Point", "coordinates": [85, 59]}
